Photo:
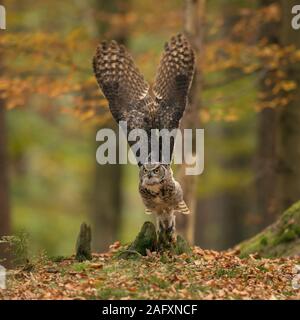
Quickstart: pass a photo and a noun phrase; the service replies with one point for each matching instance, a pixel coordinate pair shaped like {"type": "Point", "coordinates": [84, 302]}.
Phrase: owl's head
{"type": "Point", "coordinates": [154, 173]}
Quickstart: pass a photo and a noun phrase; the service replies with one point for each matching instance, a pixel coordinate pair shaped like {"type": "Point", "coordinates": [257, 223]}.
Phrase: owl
{"type": "Point", "coordinates": [131, 100]}
{"type": "Point", "coordinates": [162, 195]}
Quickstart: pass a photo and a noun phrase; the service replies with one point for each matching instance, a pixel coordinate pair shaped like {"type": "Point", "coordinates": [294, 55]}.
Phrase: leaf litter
{"type": "Point", "coordinates": [203, 274]}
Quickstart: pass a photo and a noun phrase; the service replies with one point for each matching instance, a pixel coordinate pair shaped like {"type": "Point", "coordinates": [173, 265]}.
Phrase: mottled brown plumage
{"type": "Point", "coordinates": [128, 93]}
{"type": "Point", "coordinates": [130, 100]}
{"type": "Point", "coordinates": [173, 81]}
{"type": "Point", "coordinates": [161, 194]}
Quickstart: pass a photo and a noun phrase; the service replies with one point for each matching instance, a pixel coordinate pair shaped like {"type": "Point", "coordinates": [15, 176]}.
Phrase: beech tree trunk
{"type": "Point", "coordinates": [289, 119]}
{"type": "Point", "coordinates": [4, 187]}
{"type": "Point", "coordinates": [266, 157]}
{"type": "Point", "coordinates": [107, 199]}
{"type": "Point", "coordinates": [278, 156]}
{"type": "Point", "coordinates": [194, 29]}
{"type": "Point", "coordinates": [5, 222]}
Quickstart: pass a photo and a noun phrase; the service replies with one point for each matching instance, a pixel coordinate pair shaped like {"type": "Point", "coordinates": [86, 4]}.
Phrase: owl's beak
{"type": "Point", "coordinates": [149, 174]}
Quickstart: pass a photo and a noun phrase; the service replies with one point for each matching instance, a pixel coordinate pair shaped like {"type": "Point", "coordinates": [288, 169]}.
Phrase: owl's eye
{"type": "Point", "coordinates": [145, 170]}
{"type": "Point", "coordinates": [156, 170]}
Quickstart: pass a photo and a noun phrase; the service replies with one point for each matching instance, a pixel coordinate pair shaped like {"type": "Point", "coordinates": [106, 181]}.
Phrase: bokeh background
{"type": "Point", "coordinates": [245, 96]}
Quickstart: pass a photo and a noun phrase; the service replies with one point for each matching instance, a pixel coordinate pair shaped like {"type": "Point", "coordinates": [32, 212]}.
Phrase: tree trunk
{"type": "Point", "coordinates": [194, 25]}
{"type": "Point", "coordinates": [235, 203]}
{"type": "Point", "coordinates": [266, 163]}
{"type": "Point", "coordinates": [5, 222]}
{"type": "Point", "coordinates": [4, 184]}
{"type": "Point", "coordinates": [289, 119]}
{"type": "Point", "coordinates": [107, 205]}
{"type": "Point", "coordinates": [266, 157]}
{"type": "Point", "coordinates": [107, 200]}
{"type": "Point", "coordinates": [279, 155]}
{"type": "Point", "coordinates": [278, 182]}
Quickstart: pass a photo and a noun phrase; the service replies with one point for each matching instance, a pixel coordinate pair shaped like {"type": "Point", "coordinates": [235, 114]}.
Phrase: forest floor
{"type": "Point", "coordinates": [204, 274]}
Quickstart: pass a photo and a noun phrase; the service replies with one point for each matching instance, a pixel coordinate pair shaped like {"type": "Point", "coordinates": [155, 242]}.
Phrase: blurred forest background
{"type": "Point", "coordinates": [246, 97]}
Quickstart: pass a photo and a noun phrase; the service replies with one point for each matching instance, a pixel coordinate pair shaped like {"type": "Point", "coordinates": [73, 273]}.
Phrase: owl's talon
{"type": "Point", "coordinates": [161, 227]}
{"type": "Point", "coordinates": [171, 229]}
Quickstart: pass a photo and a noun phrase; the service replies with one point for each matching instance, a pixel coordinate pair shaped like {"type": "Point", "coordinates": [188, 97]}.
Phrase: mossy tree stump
{"type": "Point", "coordinates": [83, 244]}
{"type": "Point", "coordinates": [148, 240]}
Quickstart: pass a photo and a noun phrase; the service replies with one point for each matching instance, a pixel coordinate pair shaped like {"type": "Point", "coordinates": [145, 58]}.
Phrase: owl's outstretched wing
{"type": "Point", "coordinates": [123, 85]}
{"type": "Point", "coordinates": [173, 81]}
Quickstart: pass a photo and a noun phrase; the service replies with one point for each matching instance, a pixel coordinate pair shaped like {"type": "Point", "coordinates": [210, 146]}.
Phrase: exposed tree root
{"type": "Point", "coordinates": [281, 239]}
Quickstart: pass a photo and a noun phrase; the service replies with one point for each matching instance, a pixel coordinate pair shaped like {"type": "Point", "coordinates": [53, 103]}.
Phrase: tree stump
{"type": "Point", "coordinates": [147, 240]}
{"type": "Point", "coordinates": [83, 244]}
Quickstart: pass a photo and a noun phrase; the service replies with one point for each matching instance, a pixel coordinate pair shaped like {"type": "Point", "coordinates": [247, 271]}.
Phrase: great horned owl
{"type": "Point", "coordinates": [161, 194]}
{"type": "Point", "coordinates": [130, 100]}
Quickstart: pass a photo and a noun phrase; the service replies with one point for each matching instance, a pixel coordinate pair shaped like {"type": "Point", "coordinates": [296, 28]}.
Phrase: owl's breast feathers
{"type": "Point", "coordinates": [163, 197]}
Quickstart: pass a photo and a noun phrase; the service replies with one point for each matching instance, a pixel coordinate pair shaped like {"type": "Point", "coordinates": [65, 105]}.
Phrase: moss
{"type": "Point", "coordinates": [181, 246]}
{"type": "Point", "coordinates": [263, 241]}
{"type": "Point", "coordinates": [147, 240]}
{"type": "Point", "coordinates": [255, 244]}
{"type": "Point", "coordinates": [57, 258]}
{"type": "Point", "coordinates": [196, 288]}
{"type": "Point", "coordinates": [109, 293]}
{"type": "Point", "coordinates": [293, 212]}
{"type": "Point", "coordinates": [164, 258]}
{"type": "Point", "coordinates": [288, 293]}
{"type": "Point", "coordinates": [286, 236]}
{"type": "Point", "coordinates": [161, 283]}
{"type": "Point", "coordinates": [280, 239]}
{"type": "Point", "coordinates": [80, 266]}
{"type": "Point", "coordinates": [262, 269]}
{"type": "Point", "coordinates": [128, 255]}
{"type": "Point", "coordinates": [228, 273]}
{"type": "Point", "coordinates": [297, 229]}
